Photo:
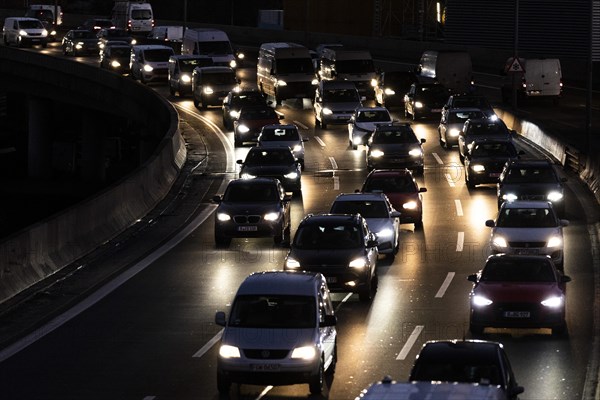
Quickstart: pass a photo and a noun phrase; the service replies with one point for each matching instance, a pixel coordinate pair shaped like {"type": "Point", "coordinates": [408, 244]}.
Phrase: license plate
{"type": "Point", "coordinates": [331, 279]}
{"type": "Point", "coordinates": [436, 110]}
{"type": "Point", "coordinates": [249, 228]}
{"type": "Point", "coordinates": [527, 252]}
{"type": "Point", "coordinates": [517, 314]}
{"type": "Point", "coordinates": [265, 367]}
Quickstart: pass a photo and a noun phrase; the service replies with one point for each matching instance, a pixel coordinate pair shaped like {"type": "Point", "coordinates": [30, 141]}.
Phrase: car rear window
{"type": "Point", "coordinates": [327, 236]}
{"type": "Point", "coordinates": [526, 218]}
{"type": "Point", "coordinates": [251, 192]}
{"type": "Point", "coordinates": [392, 184]}
{"type": "Point", "coordinates": [366, 208]}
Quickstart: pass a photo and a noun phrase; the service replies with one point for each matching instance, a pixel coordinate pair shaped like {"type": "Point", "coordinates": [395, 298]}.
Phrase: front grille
{"type": "Point", "coordinates": [265, 354]}
{"type": "Point", "coordinates": [246, 219]}
{"type": "Point", "coordinates": [527, 244]}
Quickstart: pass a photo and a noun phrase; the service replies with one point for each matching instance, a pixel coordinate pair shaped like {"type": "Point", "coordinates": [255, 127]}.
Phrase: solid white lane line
{"type": "Point", "coordinates": [336, 183]}
{"type": "Point", "coordinates": [459, 210]}
{"type": "Point", "coordinates": [320, 141]}
{"type": "Point", "coordinates": [445, 285]}
{"type": "Point", "coordinates": [460, 241]}
{"type": "Point", "coordinates": [345, 299]}
{"type": "Point", "coordinates": [300, 124]}
{"type": "Point", "coordinates": [208, 345]}
{"type": "Point", "coordinates": [333, 163]}
{"type": "Point", "coordinates": [264, 392]}
{"type": "Point", "coordinates": [450, 180]}
{"type": "Point", "coordinates": [437, 158]}
{"type": "Point", "coordinates": [410, 342]}
{"type": "Point", "coordinates": [105, 290]}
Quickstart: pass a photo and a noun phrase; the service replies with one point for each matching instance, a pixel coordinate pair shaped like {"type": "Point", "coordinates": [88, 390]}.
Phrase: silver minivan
{"type": "Point", "coordinates": [280, 331]}
{"type": "Point", "coordinates": [335, 102]}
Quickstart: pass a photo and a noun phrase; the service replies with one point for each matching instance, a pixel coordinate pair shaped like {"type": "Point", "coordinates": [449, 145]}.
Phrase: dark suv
{"type": "Point", "coordinates": [484, 128]}
{"type": "Point", "coordinates": [466, 361]}
{"type": "Point", "coordinates": [531, 180]}
{"type": "Point", "coordinates": [341, 247]}
{"type": "Point", "coordinates": [395, 145]}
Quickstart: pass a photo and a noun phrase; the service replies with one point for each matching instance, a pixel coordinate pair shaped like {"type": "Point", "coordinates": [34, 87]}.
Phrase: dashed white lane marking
{"type": "Point", "coordinates": [410, 342]}
{"type": "Point", "coordinates": [445, 285]}
{"type": "Point", "coordinates": [437, 158]}
{"type": "Point", "coordinates": [333, 163]}
{"type": "Point", "coordinates": [208, 345]}
{"type": "Point", "coordinates": [450, 180]}
{"type": "Point", "coordinates": [300, 124]}
{"type": "Point", "coordinates": [345, 299]}
{"type": "Point", "coordinates": [320, 141]}
{"type": "Point", "coordinates": [460, 241]}
{"type": "Point", "coordinates": [336, 179]}
{"type": "Point", "coordinates": [264, 392]}
{"type": "Point", "coordinates": [459, 210]}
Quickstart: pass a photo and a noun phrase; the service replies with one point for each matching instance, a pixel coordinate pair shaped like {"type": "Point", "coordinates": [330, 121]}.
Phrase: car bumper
{"type": "Point", "coordinates": [268, 372]}
{"type": "Point", "coordinates": [517, 316]}
{"type": "Point", "coordinates": [232, 229]}
{"type": "Point", "coordinates": [340, 279]}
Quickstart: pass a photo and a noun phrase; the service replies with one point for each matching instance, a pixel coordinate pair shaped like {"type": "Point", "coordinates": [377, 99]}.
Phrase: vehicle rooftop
{"type": "Point", "coordinates": [372, 196]}
{"type": "Point", "coordinates": [281, 282]}
{"type": "Point", "coordinates": [528, 204]}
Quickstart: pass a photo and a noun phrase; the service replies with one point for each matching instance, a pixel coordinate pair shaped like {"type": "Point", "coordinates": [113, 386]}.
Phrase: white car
{"type": "Point", "coordinates": [363, 123]}
{"type": "Point", "coordinates": [283, 136]}
{"type": "Point", "coordinates": [377, 210]}
{"type": "Point", "coordinates": [528, 228]}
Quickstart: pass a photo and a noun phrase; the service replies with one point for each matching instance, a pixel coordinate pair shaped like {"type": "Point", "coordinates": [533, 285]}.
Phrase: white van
{"type": "Point", "coordinates": [24, 31]}
{"type": "Point", "coordinates": [535, 77]}
{"type": "Point", "coordinates": [134, 16]}
{"type": "Point", "coordinates": [209, 42]}
{"type": "Point", "coordinates": [168, 33]}
{"type": "Point", "coordinates": [150, 62]}
{"type": "Point", "coordinates": [285, 71]}
{"type": "Point", "coordinates": [349, 65]}
{"type": "Point", "coordinates": [280, 331]}
{"type": "Point", "coordinates": [453, 69]}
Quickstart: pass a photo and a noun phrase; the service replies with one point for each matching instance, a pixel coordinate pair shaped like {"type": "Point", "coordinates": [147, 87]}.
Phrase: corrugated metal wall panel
{"type": "Point", "coordinates": [596, 31]}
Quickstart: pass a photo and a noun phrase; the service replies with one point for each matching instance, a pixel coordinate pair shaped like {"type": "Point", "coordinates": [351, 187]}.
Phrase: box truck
{"type": "Point", "coordinates": [453, 69]}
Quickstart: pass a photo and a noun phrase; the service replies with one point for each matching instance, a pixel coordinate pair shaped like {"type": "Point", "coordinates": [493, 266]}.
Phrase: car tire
{"type": "Point", "coordinates": [317, 381]}
{"type": "Point", "coordinates": [172, 91]}
{"type": "Point", "coordinates": [367, 294]}
{"type": "Point", "coordinates": [414, 115]}
{"type": "Point", "coordinates": [237, 142]}
{"type": "Point", "coordinates": [323, 124]}
{"type": "Point", "coordinates": [461, 158]}
{"type": "Point", "coordinates": [331, 370]}
{"type": "Point", "coordinates": [223, 384]}
{"type": "Point", "coordinates": [196, 102]}
{"type": "Point", "coordinates": [419, 223]}
{"type": "Point", "coordinates": [202, 103]}
{"type": "Point", "coordinates": [469, 183]}
{"type": "Point", "coordinates": [405, 112]}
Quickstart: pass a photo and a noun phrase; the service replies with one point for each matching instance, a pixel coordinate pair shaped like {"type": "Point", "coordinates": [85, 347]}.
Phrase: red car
{"type": "Point", "coordinates": [249, 123]}
{"type": "Point", "coordinates": [402, 190]}
{"type": "Point", "coordinates": [518, 292]}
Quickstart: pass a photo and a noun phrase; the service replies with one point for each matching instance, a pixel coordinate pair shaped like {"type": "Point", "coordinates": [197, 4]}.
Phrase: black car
{"type": "Point", "coordinates": [395, 145]}
{"type": "Point", "coordinates": [252, 208]}
{"type": "Point", "coordinates": [273, 162]}
{"type": "Point", "coordinates": [466, 361]}
{"type": "Point", "coordinates": [181, 68]}
{"type": "Point", "coordinates": [469, 101]}
{"type": "Point", "coordinates": [341, 247]}
{"type": "Point", "coordinates": [531, 180]}
{"type": "Point", "coordinates": [485, 159]}
{"type": "Point", "coordinates": [391, 86]}
{"type": "Point", "coordinates": [484, 128]}
{"type": "Point", "coordinates": [115, 57]}
{"type": "Point", "coordinates": [106, 35]}
{"type": "Point", "coordinates": [425, 100]}
{"type": "Point", "coordinates": [236, 100]}
{"type": "Point", "coordinates": [250, 121]}
{"type": "Point", "coordinates": [79, 41]}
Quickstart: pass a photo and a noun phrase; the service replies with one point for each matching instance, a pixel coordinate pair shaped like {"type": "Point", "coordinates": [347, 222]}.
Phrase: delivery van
{"type": "Point", "coordinates": [209, 42]}
{"type": "Point", "coordinates": [134, 16]}
{"type": "Point", "coordinates": [453, 69]}
{"type": "Point", "coordinates": [355, 66]}
{"type": "Point", "coordinates": [285, 71]}
{"type": "Point", "coordinates": [150, 62]}
{"type": "Point", "coordinates": [24, 31]}
{"type": "Point", "coordinates": [535, 77]}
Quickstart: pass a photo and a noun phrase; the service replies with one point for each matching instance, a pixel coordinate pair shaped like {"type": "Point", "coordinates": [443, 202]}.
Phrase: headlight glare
{"type": "Point", "coordinates": [385, 233]}
{"type": "Point", "coordinates": [478, 168]}
{"type": "Point", "coordinates": [555, 196]}
{"type": "Point", "coordinates": [376, 153]}
{"type": "Point", "coordinates": [272, 216]}
{"type": "Point", "coordinates": [243, 129]}
{"type": "Point", "coordinates": [246, 175]}
{"type": "Point", "coordinates": [389, 92]}
{"type": "Point", "coordinates": [292, 263]}
{"type": "Point", "coordinates": [291, 175]}
{"type": "Point", "coordinates": [480, 301]}
{"type": "Point", "coordinates": [553, 302]}
{"type": "Point", "coordinates": [358, 263]}
{"type": "Point", "coordinates": [327, 111]}
{"type": "Point", "coordinates": [415, 152]}
{"type": "Point", "coordinates": [499, 241]}
{"type": "Point", "coordinates": [223, 217]}
{"type": "Point", "coordinates": [305, 352]}
{"type": "Point", "coordinates": [148, 68]}
{"type": "Point", "coordinates": [410, 205]}
{"type": "Point", "coordinates": [207, 90]}
{"type": "Point", "coordinates": [186, 78]}
{"type": "Point", "coordinates": [227, 351]}
{"type": "Point", "coordinates": [509, 197]}
{"type": "Point", "coordinates": [418, 104]}
{"type": "Point", "coordinates": [554, 241]}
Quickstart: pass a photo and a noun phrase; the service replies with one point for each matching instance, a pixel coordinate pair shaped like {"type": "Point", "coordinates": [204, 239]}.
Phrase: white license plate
{"type": "Point", "coordinates": [249, 228]}
{"type": "Point", "coordinates": [265, 367]}
{"type": "Point", "coordinates": [517, 314]}
{"type": "Point", "coordinates": [331, 279]}
{"type": "Point", "coordinates": [527, 252]}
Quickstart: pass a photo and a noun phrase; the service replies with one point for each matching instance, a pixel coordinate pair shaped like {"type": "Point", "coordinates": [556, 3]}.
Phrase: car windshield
{"type": "Point", "coordinates": [214, 47]}
{"type": "Point", "coordinates": [505, 149]}
{"type": "Point", "coordinates": [258, 113]}
{"type": "Point", "coordinates": [431, 92]}
{"type": "Point", "coordinates": [458, 368]}
{"type": "Point", "coordinates": [461, 116]}
{"type": "Point", "coordinates": [394, 136]}
{"type": "Point", "coordinates": [188, 65]}
{"type": "Point", "coordinates": [341, 95]}
{"type": "Point", "coordinates": [158, 55]}
{"type": "Point", "coordinates": [327, 236]}
{"type": "Point", "coordinates": [277, 156]}
{"type": "Point", "coordinates": [519, 270]}
{"type": "Point", "coordinates": [483, 128]}
{"type": "Point", "coordinates": [354, 66]}
{"type": "Point", "coordinates": [294, 65]}
{"type": "Point", "coordinates": [120, 51]}
{"type": "Point", "coordinates": [366, 208]}
{"type": "Point", "coordinates": [372, 116]}
{"type": "Point", "coordinates": [280, 134]}
{"type": "Point", "coordinates": [526, 218]}
{"type": "Point", "coordinates": [84, 35]}
{"type": "Point", "coordinates": [530, 175]}
{"type": "Point", "coordinates": [398, 80]}
{"type": "Point", "coordinates": [392, 184]}
{"type": "Point", "coordinates": [471, 102]}
{"type": "Point", "coordinates": [273, 311]}
{"type": "Point", "coordinates": [243, 99]}
{"type": "Point", "coordinates": [251, 192]}
{"type": "Point", "coordinates": [30, 24]}
{"type": "Point", "coordinates": [219, 78]}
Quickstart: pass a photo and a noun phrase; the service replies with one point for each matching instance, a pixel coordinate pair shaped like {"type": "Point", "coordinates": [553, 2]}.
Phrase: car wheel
{"type": "Point", "coordinates": [317, 123]}
{"type": "Point", "coordinates": [196, 102]}
{"type": "Point", "coordinates": [419, 223]}
{"type": "Point", "coordinates": [223, 384]}
{"type": "Point", "coordinates": [461, 158]}
{"type": "Point", "coordinates": [171, 90]}
{"type": "Point", "coordinates": [469, 183]}
{"type": "Point", "coordinates": [414, 115]}
{"type": "Point", "coordinates": [316, 382]}
{"type": "Point", "coordinates": [202, 103]}
{"type": "Point", "coordinates": [5, 40]}
{"type": "Point", "coordinates": [420, 171]}
{"type": "Point", "coordinates": [302, 165]}
{"type": "Point", "coordinates": [368, 293]}
{"type": "Point", "coordinates": [221, 241]}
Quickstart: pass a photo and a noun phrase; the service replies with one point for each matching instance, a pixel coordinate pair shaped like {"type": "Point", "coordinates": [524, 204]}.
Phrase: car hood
{"type": "Point", "coordinates": [369, 126]}
{"type": "Point", "coordinates": [527, 234]}
{"type": "Point", "coordinates": [377, 224]}
{"type": "Point", "coordinates": [342, 106]}
{"type": "Point", "coordinates": [531, 188]}
{"type": "Point", "coordinates": [268, 338]}
{"type": "Point", "coordinates": [276, 143]}
{"type": "Point", "coordinates": [247, 208]}
{"type": "Point", "coordinates": [395, 147]}
{"type": "Point", "coordinates": [324, 258]}
{"type": "Point", "coordinates": [516, 292]}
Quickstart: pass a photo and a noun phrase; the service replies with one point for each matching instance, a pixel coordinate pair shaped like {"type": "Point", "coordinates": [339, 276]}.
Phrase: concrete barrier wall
{"type": "Point", "coordinates": [42, 249]}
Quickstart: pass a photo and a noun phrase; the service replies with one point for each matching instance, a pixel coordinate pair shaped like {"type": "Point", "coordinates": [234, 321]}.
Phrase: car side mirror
{"type": "Point", "coordinates": [395, 214]}
{"type": "Point", "coordinates": [357, 191]}
{"type": "Point", "coordinates": [472, 278]}
{"type": "Point", "coordinates": [220, 318]}
{"type": "Point", "coordinates": [328, 320]}
{"type": "Point", "coordinates": [516, 391]}
{"type": "Point", "coordinates": [564, 222]}
{"type": "Point", "coordinates": [240, 162]}
{"type": "Point", "coordinates": [363, 98]}
{"type": "Point", "coordinates": [372, 243]}
{"type": "Point", "coordinates": [520, 153]}
{"type": "Point", "coordinates": [490, 223]}
{"type": "Point", "coordinates": [565, 278]}
{"type": "Point", "coordinates": [423, 140]}
{"type": "Point", "coordinates": [287, 196]}
{"type": "Point", "coordinates": [422, 190]}
{"type": "Point", "coordinates": [305, 139]}
{"type": "Point", "coordinates": [217, 198]}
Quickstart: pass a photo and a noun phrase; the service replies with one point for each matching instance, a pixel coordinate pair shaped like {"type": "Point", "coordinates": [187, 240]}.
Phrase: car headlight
{"type": "Point", "coordinates": [223, 217]}
{"type": "Point", "coordinates": [376, 153]}
{"type": "Point", "coordinates": [385, 233]}
{"type": "Point", "coordinates": [241, 56]}
{"type": "Point", "coordinates": [246, 175]}
{"type": "Point", "coordinates": [415, 152]}
{"type": "Point", "coordinates": [373, 82]}
{"type": "Point", "coordinates": [509, 197]}
{"type": "Point", "coordinates": [292, 263]}
{"type": "Point", "coordinates": [234, 114]}
{"type": "Point", "coordinates": [314, 82]}
{"type": "Point", "coordinates": [327, 111]}
{"type": "Point", "coordinates": [272, 216]}
{"type": "Point", "coordinates": [22, 32]}
{"type": "Point", "coordinates": [297, 148]}
{"type": "Point", "coordinates": [281, 83]}
{"type": "Point", "coordinates": [499, 241]}
{"type": "Point", "coordinates": [233, 64]}
{"type": "Point", "coordinates": [79, 46]}
{"type": "Point", "coordinates": [291, 175]}
{"type": "Point", "coordinates": [305, 352]}
{"type": "Point", "coordinates": [227, 351]}
{"type": "Point", "coordinates": [478, 168]}
{"type": "Point", "coordinates": [480, 301]}
{"type": "Point", "coordinates": [493, 117]}
{"type": "Point", "coordinates": [358, 263]}
{"type": "Point", "coordinates": [418, 104]}
{"type": "Point", "coordinates": [553, 302]}
{"type": "Point", "coordinates": [207, 90]}
{"type": "Point", "coordinates": [243, 129]}
{"type": "Point", "coordinates": [237, 89]}
{"type": "Point", "coordinates": [185, 78]}
{"type": "Point", "coordinates": [410, 205]}
{"type": "Point", "coordinates": [389, 92]}
{"type": "Point", "coordinates": [555, 196]}
{"type": "Point", "coordinates": [454, 132]}
{"type": "Point", "coordinates": [115, 64]}
{"type": "Point", "coordinates": [53, 33]}
{"type": "Point", "coordinates": [554, 241]}
{"type": "Point", "coordinates": [100, 45]}
{"type": "Point", "coordinates": [148, 68]}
